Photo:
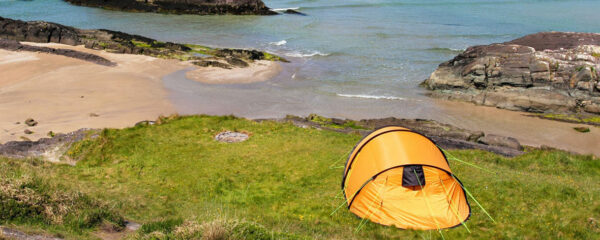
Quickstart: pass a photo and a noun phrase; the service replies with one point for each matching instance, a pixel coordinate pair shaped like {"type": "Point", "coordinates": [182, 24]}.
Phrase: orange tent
{"type": "Point", "coordinates": [397, 177]}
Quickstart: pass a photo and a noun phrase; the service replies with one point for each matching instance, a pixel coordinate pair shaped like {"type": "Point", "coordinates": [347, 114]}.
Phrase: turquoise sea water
{"type": "Point", "coordinates": [350, 58]}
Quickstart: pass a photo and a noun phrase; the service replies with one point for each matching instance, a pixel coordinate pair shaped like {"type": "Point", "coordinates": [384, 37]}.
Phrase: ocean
{"type": "Point", "coordinates": [349, 58]}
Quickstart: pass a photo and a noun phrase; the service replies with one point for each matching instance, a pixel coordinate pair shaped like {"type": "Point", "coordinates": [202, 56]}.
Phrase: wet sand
{"type": "Point", "coordinates": [528, 130]}
{"type": "Point", "coordinates": [258, 71]}
{"type": "Point", "coordinates": [65, 94]}
{"type": "Point", "coordinates": [282, 96]}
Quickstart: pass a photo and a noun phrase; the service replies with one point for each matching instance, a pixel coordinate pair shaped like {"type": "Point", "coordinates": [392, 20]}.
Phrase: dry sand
{"type": "Point", "coordinates": [65, 94]}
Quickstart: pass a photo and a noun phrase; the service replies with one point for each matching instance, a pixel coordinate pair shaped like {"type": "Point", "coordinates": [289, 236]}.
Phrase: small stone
{"type": "Point", "coordinates": [231, 137]}
{"type": "Point", "coordinates": [582, 129]}
{"type": "Point", "coordinates": [132, 226]}
{"type": "Point", "coordinates": [18, 123]}
{"type": "Point", "coordinates": [27, 131]}
{"type": "Point", "coordinates": [30, 122]}
{"type": "Point", "coordinates": [94, 115]}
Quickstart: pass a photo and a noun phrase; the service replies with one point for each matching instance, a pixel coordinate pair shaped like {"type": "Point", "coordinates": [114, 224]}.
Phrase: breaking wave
{"type": "Point", "coordinates": [370, 96]}
{"type": "Point", "coordinates": [280, 43]}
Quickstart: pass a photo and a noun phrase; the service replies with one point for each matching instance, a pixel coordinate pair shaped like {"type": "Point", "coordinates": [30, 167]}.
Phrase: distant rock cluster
{"type": "Point", "coordinates": [549, 72]}
{"type": "Point", "coordinates": [120, 42]}
{"type": "Point", "coordinates": [201, 7]}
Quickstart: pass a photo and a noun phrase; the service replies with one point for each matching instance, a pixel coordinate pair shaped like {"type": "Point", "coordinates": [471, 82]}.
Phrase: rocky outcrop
{"type": "Point", "coordinates": [549, 72]}
{"type": "Point", "coordinates": [444, 135]}
{"type": "Point", "coordinates": [119, 42]}
{"type": "Point", "coordinates": [202, 7]}
{"type": "Point", "coordinates": [14, 45]}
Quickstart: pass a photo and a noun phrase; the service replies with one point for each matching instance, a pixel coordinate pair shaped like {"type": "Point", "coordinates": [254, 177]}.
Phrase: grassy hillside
{"type": "Point", "coordinates": [284, 182]}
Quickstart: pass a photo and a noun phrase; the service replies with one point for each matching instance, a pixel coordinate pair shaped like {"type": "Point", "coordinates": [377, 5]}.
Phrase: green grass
{"type": "Point", "coordinates": [286, 179]}
{"type": "Point", "coordinates": [328, 122]}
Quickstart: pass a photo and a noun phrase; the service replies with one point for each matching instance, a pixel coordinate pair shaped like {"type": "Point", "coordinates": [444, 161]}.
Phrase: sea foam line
{"type": "Point", "coordinates": [285, 9]}
{"type": "Point", "coordinates": [370, 96]}
{"type": "Point", "coordinates": [280, 43]}
{"type": "Point", "coordinates": [302, 55]}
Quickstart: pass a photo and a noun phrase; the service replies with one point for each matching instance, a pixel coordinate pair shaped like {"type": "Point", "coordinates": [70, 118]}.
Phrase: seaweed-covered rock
{"type": "Point", "coordinates": [549, 72]}
{"type": "Point", "coordinates": [202, 7]}
{"type": "Point", "coordinates": [120, 42]}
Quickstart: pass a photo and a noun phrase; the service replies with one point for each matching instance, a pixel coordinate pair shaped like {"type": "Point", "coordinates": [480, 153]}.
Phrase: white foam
{"type": "Point", "coordinates": [303, 55]}
{"type": "Point", "coordinates": [285, 9]}
{"type": "Point", "coordinates": [370, 96]}
{"type": "Point", "coordinates": [280, 43]}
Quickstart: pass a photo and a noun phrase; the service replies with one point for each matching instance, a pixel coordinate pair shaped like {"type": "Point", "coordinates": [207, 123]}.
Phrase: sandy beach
{"type": "Point", "coordinates": [65, 94]}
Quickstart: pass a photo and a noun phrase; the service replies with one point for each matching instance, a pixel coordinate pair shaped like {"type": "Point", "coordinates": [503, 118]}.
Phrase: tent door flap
{"type": "Point", "coordinates": [413, 176]}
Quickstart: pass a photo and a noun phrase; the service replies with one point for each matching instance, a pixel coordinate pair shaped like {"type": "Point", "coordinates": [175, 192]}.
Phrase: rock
{"type": "Point", "coordinates": [539, 66]}
{"type": "Point", "coordinates": [501, 141]}
{"type": "Point", "coordinates": [292, 11]}
{"type": "Point", "coordinates": [582, 129]}
{"type": "Point", "coordinates": [444, 135]}
{"type": "Point", "coordinates": [209, 63]}
{"type": "Point", "coordinates": [45, 148]}
{"type": "Point", "coordinates": [18, 235]}
{"type": "Point", "coordinates": [30, 122]}
{"type": "Point", "coordinates": [582, 75]}
{"type": "Point", "coordinates": [116, 42]}
{"type": "Point", "coordinates": [557, 40]}
{"type": "Point", "coordinates": [145, 123]}
{"type": "Point", "coordinates": [94, 115]}
{"type": "Point", "coordinates": [592, 108]}
{"type": "Point", "coordinates": [231, 137]}
{"type": "Point", "coordinates": [201, 7]}
{"type": "Point", "coordinates": [237, 62]}
{"type": "Point", "coordinates": [27, 131]}
{"type": "Point", "coordinates": [548, 72]}
{"type": "Point", "coordinates": [132, 226]}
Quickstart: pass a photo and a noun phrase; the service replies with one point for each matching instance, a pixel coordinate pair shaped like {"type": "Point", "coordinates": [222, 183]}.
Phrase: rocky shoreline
{"type": "Point", "coordinates": [13, 45]}
{"type": "Point", "coordinates": [446, 136]}
{"type": "Point", "coordinates": [119, 42]}
{"type": "Point", "coordinates": [548, 72]}
{"type": "Point", "coordinates": [200, 7]}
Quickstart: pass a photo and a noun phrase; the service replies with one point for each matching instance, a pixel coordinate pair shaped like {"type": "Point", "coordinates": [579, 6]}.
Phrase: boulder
{"type": "Point", "coordinates": [501, 141]}
{"type": "Point", "coordinates": [549, 72]}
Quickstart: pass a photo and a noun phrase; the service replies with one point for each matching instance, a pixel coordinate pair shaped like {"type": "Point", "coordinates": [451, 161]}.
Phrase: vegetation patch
{"type": "Point", "coordinates": [174, 177]}
{"type": "Point", "coordinates": [582, 129]}
{"type": "Point", "coordinates": [28, 199]}
{"type": "Point", "coordinates": [334, 123]}
{"type": "Point", "coordinates": [572, 118]}
{"type": "Point", "coordinates": [218, 229]}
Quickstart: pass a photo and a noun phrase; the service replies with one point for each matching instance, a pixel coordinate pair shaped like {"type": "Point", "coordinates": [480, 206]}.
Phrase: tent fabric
{"type": "Point", "coordinates": [375, 182]}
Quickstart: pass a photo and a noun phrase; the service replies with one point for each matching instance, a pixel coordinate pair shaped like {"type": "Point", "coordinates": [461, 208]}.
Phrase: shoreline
{"type": "Point", "coordinates": [134, 91]}
{"type": "Point", "coordinates": [64, 94]}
